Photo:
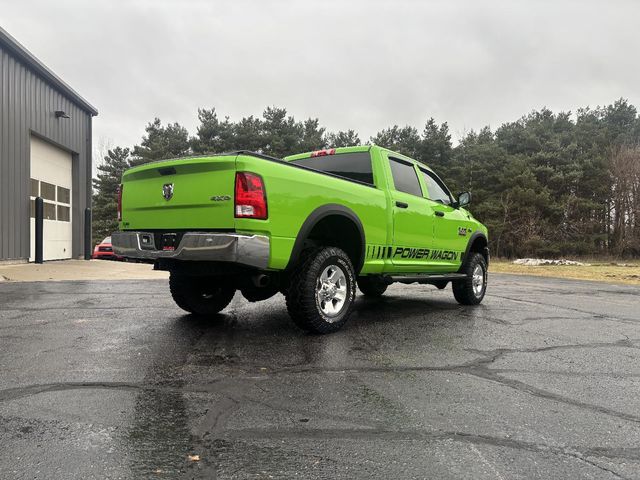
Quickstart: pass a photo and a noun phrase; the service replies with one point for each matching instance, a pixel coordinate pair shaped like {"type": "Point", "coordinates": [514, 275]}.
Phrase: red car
{"type": "Point", "coordinates": [104, 251]}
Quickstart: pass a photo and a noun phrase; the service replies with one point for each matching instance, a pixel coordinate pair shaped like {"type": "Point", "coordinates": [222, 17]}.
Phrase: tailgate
{"type": "Point", "coordinates": [192, 193]}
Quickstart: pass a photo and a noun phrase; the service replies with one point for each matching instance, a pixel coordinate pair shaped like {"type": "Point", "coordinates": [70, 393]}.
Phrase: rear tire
{"type": "Point", "coordinates": [199, 295]}
{"type": "Point", "coordinates": [372, 286]}
{"type": "Point", "coordinates": [471, 290]}
{"type": "Point", "coordinates": [321, 290]}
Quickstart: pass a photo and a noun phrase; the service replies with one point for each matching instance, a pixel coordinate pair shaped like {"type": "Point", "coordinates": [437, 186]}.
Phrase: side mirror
{"type": "Point", "coordinates": [464, 199]}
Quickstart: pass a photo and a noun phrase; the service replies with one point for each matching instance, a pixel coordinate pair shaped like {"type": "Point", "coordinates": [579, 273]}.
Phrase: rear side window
{"type": "Point", "coordinates": [437, 191]}
{"type": "Point", "coordinates": [354, 166]}
{"type": "Point", "coordinates": [404, 177]}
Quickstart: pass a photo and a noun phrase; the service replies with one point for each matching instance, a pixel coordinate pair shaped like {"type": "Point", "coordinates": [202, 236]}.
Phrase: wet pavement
{"type": "Point", "coordinates": [111, 380]}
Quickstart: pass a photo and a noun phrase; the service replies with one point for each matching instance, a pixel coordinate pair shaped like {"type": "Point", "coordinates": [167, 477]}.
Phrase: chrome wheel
{"type": "Point", "coordinates": [331, 291]}
{"type": "Point", "coordinates": [477, 280]}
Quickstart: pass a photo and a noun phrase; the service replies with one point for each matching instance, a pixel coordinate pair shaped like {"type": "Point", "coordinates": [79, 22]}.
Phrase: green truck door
{"type": "Point", "coordinates": [449, 242]}
{"type": "Point", "coordinates": [413, 219]}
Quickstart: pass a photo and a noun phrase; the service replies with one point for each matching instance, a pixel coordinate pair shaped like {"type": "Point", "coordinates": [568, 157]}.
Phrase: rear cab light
{"type": "Point", "coordinates": [119, 200]}
{"type": "Point", "coordinates": [250, 196]}
{"type": "Point", "coordinates": [322, 153]}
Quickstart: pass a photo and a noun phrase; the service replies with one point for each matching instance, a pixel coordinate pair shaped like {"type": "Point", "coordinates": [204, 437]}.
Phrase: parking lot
{"type": "Point", "coordinates": [106, 379]}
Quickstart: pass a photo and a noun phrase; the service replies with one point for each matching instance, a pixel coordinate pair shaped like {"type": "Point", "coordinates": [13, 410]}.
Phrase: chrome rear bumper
{"type": "Point", "coordinates": [250, 250]}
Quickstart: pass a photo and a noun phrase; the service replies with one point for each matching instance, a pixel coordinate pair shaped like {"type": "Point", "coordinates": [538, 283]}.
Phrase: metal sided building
{"type": "Point", "coordinates": [45, 150]}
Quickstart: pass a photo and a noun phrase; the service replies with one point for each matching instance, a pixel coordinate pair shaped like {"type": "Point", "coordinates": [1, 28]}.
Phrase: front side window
{"type": "Point", "coordinates": [354, 166]}
{"type": "Point", "coordinates": [404, 177]}
{"type": "Point", "coordinates": [436, 191]}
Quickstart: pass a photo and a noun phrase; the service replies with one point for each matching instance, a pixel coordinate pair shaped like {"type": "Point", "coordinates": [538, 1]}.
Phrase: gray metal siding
{"type": "Point", "coordinates": [27, 106]}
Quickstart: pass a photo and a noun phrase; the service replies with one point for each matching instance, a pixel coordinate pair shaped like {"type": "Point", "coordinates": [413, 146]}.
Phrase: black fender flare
{"type": "Point", "coordinates": [472, 239]}
{"type": "Point", "coordinates": [315, 217]}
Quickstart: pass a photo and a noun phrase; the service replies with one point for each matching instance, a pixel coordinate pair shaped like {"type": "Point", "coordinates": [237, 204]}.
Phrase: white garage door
{"type": "Point", "coordinates": [51, 179]}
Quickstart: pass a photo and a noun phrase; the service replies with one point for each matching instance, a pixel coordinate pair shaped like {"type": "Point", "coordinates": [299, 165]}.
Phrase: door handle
{"type": "Point", "coordinates": [439, 213]}
{"type": "Point", "coordinates": [402, 205]}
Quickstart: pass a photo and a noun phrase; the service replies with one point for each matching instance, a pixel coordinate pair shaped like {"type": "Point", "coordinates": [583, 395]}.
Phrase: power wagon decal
{"type": "Point", "coordinates": [387, 251]}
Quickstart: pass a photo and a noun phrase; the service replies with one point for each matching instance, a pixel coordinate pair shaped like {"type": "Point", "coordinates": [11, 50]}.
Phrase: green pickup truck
{"type": "Point", "coordinates": [311, 226]}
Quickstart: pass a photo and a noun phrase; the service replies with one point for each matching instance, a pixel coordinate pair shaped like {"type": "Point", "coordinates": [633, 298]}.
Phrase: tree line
{"type": "Point", "coordinates": [548, 184]}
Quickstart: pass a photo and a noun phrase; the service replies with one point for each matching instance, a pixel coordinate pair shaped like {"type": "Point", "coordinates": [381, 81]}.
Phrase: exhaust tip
{"type": "Point", "coordinates": [261, 280]}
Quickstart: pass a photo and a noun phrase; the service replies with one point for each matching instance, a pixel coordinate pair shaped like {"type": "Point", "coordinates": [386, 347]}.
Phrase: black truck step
{"type": "Point", "coordinates": [424, 278]}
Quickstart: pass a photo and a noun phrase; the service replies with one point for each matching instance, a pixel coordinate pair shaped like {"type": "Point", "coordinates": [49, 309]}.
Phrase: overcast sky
{"type": "Point", "coordinates": [361, 64]}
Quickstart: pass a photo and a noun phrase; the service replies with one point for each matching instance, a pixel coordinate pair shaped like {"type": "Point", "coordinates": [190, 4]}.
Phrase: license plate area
{"type": "Point", "coordinates": [169, 242]}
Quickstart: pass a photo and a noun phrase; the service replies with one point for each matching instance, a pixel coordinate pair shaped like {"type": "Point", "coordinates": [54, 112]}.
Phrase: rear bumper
{"type": "Point", "coordinates": [252, 250]}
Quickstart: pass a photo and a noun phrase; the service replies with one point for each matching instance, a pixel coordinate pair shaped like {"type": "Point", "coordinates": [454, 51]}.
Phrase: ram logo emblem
{"type": "Point", "coordinates": [167, 191]}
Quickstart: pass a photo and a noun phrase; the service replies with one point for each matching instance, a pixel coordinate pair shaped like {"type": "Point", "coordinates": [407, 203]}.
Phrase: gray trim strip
{"type": "Point", "coordinates": [250, 250]}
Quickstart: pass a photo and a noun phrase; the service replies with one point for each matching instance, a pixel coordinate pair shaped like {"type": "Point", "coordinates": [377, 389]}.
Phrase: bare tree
{"type": "Point", "coordinates": [624, 167]}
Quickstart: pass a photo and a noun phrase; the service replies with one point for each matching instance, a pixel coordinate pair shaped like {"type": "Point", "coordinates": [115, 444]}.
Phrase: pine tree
{"type": "Point", "coordinates": [403, 140]}
{"type": "Point", "coordinates": [313, 137]}
{"type": "Point", "coordinates": [348, 138]}
{"type": "Point", "coordinates": [213, 136]}
{"type": "Point", "coordinates": [248, 134]}
{"type": "Point", "coordinates": [161, 142]}
{"type": "Point", "coordinates": [105, 190]}
{"type": "Point", "coordinates": [435, 146]}
{"type": "Point", "coordinates": [282, 134]}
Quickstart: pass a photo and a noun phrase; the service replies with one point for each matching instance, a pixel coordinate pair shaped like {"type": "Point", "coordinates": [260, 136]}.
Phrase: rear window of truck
{"type": "Point", "coordinates": [352, 166]}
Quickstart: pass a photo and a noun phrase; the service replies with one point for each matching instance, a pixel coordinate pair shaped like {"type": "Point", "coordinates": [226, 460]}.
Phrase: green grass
{"type": "Point", "coordinates": [623, 271]}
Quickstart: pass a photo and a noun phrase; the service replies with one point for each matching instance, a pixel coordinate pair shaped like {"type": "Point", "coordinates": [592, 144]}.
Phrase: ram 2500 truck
{"type": "Point", "coordinates": [311, 226]}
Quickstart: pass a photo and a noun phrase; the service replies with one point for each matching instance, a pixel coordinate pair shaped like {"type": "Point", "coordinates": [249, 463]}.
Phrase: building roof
{"type": "Point", "coordinates": [26, 57]}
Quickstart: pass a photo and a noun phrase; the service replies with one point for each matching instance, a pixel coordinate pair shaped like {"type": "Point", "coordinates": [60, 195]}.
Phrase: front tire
{"type": "Point", "coordinates": [322, 290]}
{"type": "Point", "coordinates": [471, 290]}
{"type": "Point", "coordinates": [199, 295]}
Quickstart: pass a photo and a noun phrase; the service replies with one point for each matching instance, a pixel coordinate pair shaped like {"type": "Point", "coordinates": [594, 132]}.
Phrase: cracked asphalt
{"type": "Point", "coordinates": [109, 379]}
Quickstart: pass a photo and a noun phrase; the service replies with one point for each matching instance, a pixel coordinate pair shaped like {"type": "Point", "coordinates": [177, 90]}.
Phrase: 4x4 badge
{"type": "Point", "coordinates": [167, 191]}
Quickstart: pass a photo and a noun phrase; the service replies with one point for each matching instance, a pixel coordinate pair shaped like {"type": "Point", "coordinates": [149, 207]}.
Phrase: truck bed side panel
{"type": "Point", "coordinates": [294, 193]}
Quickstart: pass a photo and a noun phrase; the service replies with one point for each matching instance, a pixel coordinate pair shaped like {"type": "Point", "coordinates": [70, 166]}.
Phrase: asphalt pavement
{"type": "Point", "coordinates": [109, 379]}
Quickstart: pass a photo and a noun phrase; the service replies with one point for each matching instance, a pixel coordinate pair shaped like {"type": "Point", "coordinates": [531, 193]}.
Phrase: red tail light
{"type": "Point", "coordinates": [119, 199]}
{"type": "Point", "coordinates": [251, 199]}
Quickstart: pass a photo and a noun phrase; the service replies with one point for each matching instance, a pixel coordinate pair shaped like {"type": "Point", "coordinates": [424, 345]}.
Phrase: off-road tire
{"type": "Point", "coordinates": [372, 285]}
{"type": "Point", "coordinates": [302, 297]}
{"type": "Point", "coordinates": [199, 295]}
{"type": "Point", "coordinates": [463, 290]}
